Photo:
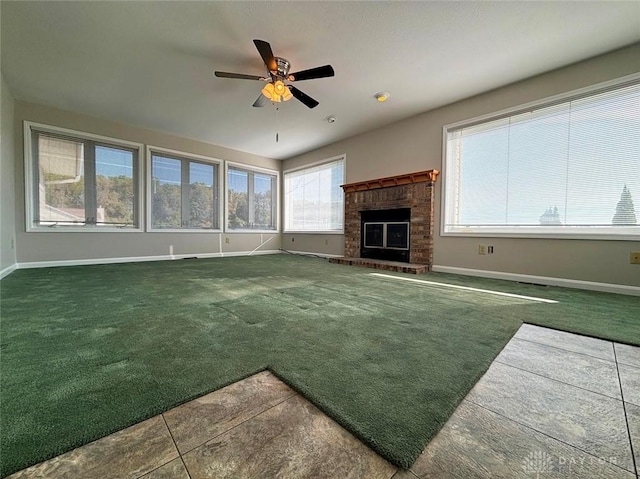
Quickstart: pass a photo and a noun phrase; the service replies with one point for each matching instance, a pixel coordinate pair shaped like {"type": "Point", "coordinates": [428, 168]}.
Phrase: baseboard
{"type": "Point", "coordinates": [549, 281]}
{"type": "Point", "coordinates": [252, 253]}
{"type": "Point", "coordinates": [311, 253]}
{"type": "Point", "coordinates": [8, 270]}
{"type": "Point", "coordinates": [137, 259]}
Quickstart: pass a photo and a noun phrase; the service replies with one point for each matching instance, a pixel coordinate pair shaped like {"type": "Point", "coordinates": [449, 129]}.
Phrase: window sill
{"type": "Point", "coordinates": [600, 234]}
{"type": "Point", "coordinates": [307, 232]}
{"type": "Point", "coordinates": [183, 230]}
{"type": "Point", "coordinates": [83, 229]}
{"type": "Point", "coordinates": [252, 231]}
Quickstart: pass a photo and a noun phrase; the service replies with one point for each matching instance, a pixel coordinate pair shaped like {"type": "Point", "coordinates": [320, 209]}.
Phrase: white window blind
{"type": "Point", "coordinates": [313, 198]}
{"type": "Point", "coordinates": [567, 168]}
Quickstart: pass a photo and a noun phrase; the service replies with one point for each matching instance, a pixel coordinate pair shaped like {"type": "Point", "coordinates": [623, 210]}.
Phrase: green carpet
{"type": "Point", "coordinates": [88, 350]}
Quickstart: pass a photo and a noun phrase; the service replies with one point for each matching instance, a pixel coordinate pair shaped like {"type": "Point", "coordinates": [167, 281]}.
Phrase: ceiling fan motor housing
{"type": "Point", "coordinates": [283, 68]}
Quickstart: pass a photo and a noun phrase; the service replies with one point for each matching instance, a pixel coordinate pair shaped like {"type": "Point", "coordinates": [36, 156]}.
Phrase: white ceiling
{"type": "Point", "coordinates": [151, 64]}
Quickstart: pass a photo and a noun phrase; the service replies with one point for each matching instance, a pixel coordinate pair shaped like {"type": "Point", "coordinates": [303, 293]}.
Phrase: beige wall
{"type": "Point", "coordinates": [416, 144]}
{"type": "Point", "coordinates": [322, 244]}
{"type": "Point", "coordinates": [58, 246]}
{"type": "Point", "coordinates": [7, 179]}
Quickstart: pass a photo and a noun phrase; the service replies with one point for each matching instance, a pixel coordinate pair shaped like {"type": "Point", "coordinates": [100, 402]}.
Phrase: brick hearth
{"type": "Point", "coordinates": [414, 191]}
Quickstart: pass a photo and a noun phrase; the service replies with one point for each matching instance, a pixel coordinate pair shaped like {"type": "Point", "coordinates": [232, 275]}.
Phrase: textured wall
{"type": "Point", "coordinates": [7, 178]}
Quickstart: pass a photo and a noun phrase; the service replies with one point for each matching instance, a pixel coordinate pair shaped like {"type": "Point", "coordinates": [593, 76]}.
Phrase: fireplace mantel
{"type": "Point", "coordinates": [406, 179]}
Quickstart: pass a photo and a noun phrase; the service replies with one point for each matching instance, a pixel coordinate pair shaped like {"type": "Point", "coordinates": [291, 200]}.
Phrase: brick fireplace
{"type": "Point", "coordinates": [371, 205]}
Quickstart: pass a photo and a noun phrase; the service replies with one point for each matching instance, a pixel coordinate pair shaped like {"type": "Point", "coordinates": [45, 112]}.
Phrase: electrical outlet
{"type": "Point", "coordinates": [226, 240]}
{"type": "Point", "coordinates": [482, 249]}
{"type": "Point", "coordinates": [489, 249]}
{"type": "Point", "coordinates": [292, 239]}
{"type": "Point", "coordinates": [635, 257]}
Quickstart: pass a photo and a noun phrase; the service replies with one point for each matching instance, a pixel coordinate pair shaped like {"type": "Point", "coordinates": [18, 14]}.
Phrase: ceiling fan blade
{"type": "Point", "coordinates": [303, 97]}
{"type": "Point", "coordinates": [267, 55]}
{"type": "Point", "coordinates": [239, 76]}
{"type": "Point", "coordinates": [318, 72]}
{"type": "Point", "coordinates": [261, 101]}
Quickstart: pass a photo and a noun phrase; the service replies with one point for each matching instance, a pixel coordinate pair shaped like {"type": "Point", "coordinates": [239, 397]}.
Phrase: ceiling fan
{"type": "Point", "coordinates": [278, 88]}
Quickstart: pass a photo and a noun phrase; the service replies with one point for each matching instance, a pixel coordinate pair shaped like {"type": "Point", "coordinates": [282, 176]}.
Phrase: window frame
{"type": "Point", "coordinates": [496, 231]}
{"type": "Point", "coordinates": [30, 177]}
{"type": "Point", "coordinates": [256, 169]}
{"type": "Point", "coordinates": [333, 159]}
{"type": "Point", "coordinates": [191, 157]}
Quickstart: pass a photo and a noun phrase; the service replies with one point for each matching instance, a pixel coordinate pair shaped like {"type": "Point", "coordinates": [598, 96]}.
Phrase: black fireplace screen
{"type": "Point", "coordinates": [392, 235]}
{"type": "Point", "coordinates": [374, 235]}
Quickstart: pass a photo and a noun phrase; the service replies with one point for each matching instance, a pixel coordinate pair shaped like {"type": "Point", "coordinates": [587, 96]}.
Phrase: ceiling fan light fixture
{"type": "Point", "coordinates": [382, 96]}
{"type": "Point", "coordinates": [279, 88]}
{"type": "Point", "coordinates": [277, 92]}
{"type": "Point", "coordinates": [268, 90]}
{"type": "Point", "coordinates": [287, 94]}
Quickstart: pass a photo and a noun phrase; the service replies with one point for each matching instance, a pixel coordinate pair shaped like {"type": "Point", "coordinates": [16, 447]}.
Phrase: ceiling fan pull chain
{"type": "Point", "coordinates": [277, 134]}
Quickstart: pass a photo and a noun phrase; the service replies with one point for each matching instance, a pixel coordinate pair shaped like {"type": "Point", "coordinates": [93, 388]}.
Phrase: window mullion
{"type": "Point", "coordinates": [90, 189]}
{"type": "Point", "coordinates": [216, 205]}
{"type": "Point", "coordinates": [185, 196]}
{"type": "Point", "coordinates": [35, 145]}
{"type": "Point", "coordinates": [274, 200]}
{"type": "Point", "coordinates": [136, 187]}
{"type": "Point", "coordinates": [251, 200]}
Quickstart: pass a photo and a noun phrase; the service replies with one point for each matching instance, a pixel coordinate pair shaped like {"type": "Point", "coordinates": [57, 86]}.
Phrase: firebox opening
{"type": "Point", "coordinates": [385, 234]}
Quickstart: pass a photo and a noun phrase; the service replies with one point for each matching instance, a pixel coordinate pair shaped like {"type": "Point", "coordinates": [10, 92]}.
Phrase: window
{"type": "Point", "coordinates": [184, 191]}
{"type": "Point", "coordinates": [251, 199]}
{"type": "Point", "coordinates": [78, 181]}
{"type": "Point", "coordinates": [313, 198]}
{"type": "Point", "coordinates": [565, 168]}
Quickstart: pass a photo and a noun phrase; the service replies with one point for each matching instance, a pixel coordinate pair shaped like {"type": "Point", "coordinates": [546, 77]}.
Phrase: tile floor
{"type": "Point", "coordinates": [552, 404]}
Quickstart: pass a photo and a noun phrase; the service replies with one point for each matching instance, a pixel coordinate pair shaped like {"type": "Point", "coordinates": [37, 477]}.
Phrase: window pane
{"type": "Point", "coordinates": [485, 163]}
{"type": "Point", "coordinates": [114, 186]}
{"type": "Point", "coordinates": [314, 200]}
{"type": "Point", "coordinates": [60, 181]}
{"type": "Point", "coordinates": [166, 192]}
{"type": "Point", "coordinates": [570, 165]}
{"type": "Point", "coordinates": [263, 201]}
{"type": "Point", "coordinates": [334, 219]}
{"type": "Point", "coordinates": [251, 200]}
{"type": "Point", "coordinates": [605, 140]}
{"type": "Point", "coordinates": [537, 172]}
{"type": "Point", "coordinates": [238, 201]}
{"type": "Point", "coordinates": [202, 208]}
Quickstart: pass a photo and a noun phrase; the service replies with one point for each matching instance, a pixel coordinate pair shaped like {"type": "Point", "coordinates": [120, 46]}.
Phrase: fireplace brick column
{"type": "Point", "coordinates": [414, 190]}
